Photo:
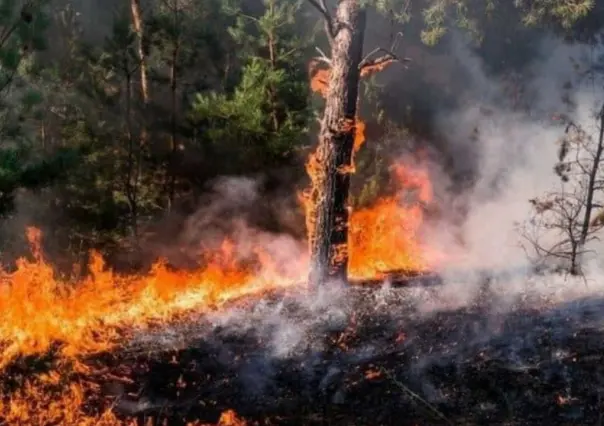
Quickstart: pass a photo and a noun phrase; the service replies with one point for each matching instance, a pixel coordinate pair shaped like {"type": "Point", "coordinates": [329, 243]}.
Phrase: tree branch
{"type": "Point", "coordinates": [367, 64]}
{"type": "Point", "coordinates": [321, 6]}
{"type": "Point", "coordinates": [323, 56]}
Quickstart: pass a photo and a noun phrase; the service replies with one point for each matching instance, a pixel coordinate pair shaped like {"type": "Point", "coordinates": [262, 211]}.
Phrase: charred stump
{"type": "Point", "coordinates": [333, 157]}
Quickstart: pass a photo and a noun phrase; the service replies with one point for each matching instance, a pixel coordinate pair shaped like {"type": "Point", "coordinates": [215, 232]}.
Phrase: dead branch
{"type": "Point", "coordinates": [323, 57]}
{"type": "Point", "coordinates": [368, 64]}
{"type": "Point", "coordinates": [321, 6]}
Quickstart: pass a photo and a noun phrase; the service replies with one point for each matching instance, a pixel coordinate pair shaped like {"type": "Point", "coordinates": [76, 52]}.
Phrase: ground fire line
{"type": "Point", "coordinates": [45, 314]}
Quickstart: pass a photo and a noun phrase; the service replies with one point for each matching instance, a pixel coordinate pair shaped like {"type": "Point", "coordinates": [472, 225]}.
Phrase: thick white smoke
{"type": "Point", "coordinates": [516, 150]}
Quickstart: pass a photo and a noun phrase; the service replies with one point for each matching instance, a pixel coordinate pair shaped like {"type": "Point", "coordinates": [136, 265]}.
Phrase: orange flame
{"type": "Point", "coordinates": [230, 418]}
{"type": "Point", "coordinates": [394, 241]}
{"type": "Point", "coordinates": [384, 237]}
{"type": "Point", "coordinates": [39, 308]}
{"type": "Point", "coordinates": [319, 83]}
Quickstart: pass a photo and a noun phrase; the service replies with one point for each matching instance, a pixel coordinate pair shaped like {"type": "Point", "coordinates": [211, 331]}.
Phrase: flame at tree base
{"type": "Point", "coordinates": [384, 237]}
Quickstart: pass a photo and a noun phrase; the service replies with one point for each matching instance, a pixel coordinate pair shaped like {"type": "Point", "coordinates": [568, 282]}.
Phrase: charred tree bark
{"type": "Point", "coordinates": [329, 195]}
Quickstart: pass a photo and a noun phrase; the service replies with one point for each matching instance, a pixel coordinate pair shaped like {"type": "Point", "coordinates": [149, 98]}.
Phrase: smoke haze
{"type": "Point", "coordinates": [514, 154]}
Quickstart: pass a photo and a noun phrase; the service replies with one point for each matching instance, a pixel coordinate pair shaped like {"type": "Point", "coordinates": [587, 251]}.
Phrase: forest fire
{"type": "Point", "coordinates": [462, 283]}
{"type": "Point", "coordinates": [43, 312]}
{"type": "Point", "coordinates": [40, 309]}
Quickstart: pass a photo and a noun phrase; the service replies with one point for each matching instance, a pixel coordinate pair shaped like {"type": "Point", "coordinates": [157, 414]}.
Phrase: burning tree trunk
{"type": "Point", "coordinates": [329, 196]}
{"type": "Point", "coordinates": [331, 164]}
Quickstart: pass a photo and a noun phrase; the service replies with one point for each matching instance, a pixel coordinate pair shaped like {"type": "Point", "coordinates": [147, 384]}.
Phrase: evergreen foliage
{"type": "Point", "coordinates": [228, 94]}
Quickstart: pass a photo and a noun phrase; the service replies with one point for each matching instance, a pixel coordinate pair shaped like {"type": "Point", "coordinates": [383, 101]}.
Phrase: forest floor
{"type": "Point", "coordinates": [362, 356]}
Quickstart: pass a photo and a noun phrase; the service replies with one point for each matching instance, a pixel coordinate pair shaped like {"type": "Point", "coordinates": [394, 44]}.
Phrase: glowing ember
{"type": "Point", "coordinates": [230, 418]}
{"type": "Point", "coordinates": [373, 374]}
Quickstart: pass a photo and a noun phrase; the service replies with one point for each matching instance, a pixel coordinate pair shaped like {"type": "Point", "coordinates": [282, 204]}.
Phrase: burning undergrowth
{"type": "Point", "coordinates": [506, 353]}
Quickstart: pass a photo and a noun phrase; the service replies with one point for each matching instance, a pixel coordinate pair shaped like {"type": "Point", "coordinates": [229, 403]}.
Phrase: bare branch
{"type": "Point", "coordinates": [321, 6]}
{"type": "Point", "coordinates": [378, 63]}
{"type": "Point", "coordinates": [323, 57]}
{"type": "Point", "coordinates": [367, 64]}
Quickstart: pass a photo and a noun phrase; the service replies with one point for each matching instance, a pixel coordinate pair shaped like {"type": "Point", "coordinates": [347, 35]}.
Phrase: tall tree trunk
{"type": "Point", "coordinates": [137, 23]}
{"type": "Point", "coordinates": [131, 181]}
{"type": "Point", "coordinates": [331, 183]}
{"type": "Point", "coordinates": [171, 165]}
{"type": "Point", "coordinates": [173, 105]}
{"type": "Point", "coordinates": [273, 61]}
{"type": "Point", "coordinates": [578, 247]}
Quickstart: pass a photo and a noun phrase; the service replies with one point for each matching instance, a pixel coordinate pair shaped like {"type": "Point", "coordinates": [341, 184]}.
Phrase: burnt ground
{"type": "Point", "coordinates": [362, 357]}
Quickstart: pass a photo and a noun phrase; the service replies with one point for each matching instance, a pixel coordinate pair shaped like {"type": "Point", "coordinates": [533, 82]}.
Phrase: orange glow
{"type": "Point", "coordinates": [373, 374]}
{"type": "Point", "coordinates": [370, 69]}
{"type": "Point", "coordinates": [319, 80]}
{"type": "Point", "coordinates": [393, 244]}
{"type": "Point", "coordinates": [230, 418]}
{"type": "Point", "coordinates": [46, 401]}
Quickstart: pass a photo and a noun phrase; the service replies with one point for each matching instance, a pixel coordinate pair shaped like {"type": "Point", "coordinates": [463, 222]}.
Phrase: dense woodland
{"type": "Point", "coordinates": [117, 117]}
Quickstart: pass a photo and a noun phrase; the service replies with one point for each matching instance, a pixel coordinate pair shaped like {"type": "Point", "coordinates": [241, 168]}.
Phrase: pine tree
{"type": "Point", "coordinates": [178, 48]}
{"type": "Point", "coordinates": [22, 35]}
{"type": "Point", "coordinates": [265, 116]}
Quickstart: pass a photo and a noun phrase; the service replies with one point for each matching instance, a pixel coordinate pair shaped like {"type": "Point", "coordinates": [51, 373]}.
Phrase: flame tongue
{"type": "Point", "coordinates": [393, 244]}
{"type": "Point", "coordinates": [384, 237]}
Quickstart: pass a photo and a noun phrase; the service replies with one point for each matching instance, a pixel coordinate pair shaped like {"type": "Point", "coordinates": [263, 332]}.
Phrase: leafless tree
{"type": "Point", "coordinates": [565, 221]}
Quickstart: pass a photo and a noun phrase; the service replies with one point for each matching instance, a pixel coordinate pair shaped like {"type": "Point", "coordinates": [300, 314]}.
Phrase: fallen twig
{"type": "Point", "coordinates": [405, 389]}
